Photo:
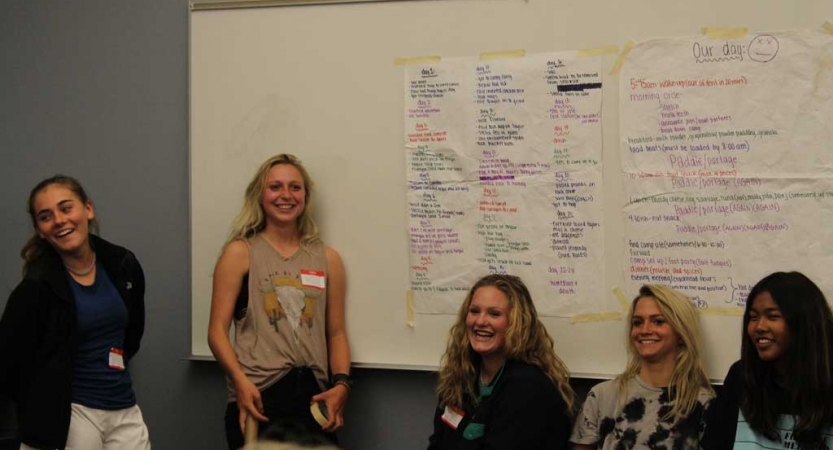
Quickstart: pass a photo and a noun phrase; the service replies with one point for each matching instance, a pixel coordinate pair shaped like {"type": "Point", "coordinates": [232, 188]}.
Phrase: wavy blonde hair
{"type": "Point", "coordinates": [688, 376]}
{"type": "Point", "coordinates": [527, 340]}
{"type": "Point", "coordinates": [251, 218]}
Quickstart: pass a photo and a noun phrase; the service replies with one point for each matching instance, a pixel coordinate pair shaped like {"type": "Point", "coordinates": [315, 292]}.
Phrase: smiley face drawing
{"type": "Point", "coordinates": [763, 48]}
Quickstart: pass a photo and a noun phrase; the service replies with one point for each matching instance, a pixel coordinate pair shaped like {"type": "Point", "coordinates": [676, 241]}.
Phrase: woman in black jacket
{"type": "Point", "coordinates": [70, 329]}
{"type": "Point", "coordinates": [501, 385]}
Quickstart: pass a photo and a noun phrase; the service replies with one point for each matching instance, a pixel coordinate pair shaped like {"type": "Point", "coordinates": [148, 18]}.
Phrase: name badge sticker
{"type": "Point", "coordinates": [116, 358]}
{"type": "Point", "coordinates": [313, 279]}
{"type": "Point", "coordinates": [452, 416]}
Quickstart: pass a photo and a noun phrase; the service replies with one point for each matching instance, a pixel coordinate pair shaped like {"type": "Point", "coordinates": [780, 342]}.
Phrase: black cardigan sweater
{"type": "Point", "coordinates": [38, 339]}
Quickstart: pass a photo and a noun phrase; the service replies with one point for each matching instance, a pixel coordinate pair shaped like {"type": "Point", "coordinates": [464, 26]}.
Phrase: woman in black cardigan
{"type": "Point", "coordinates": [70, 329]}
{"type": "Point", "coordinates": [501, 384]}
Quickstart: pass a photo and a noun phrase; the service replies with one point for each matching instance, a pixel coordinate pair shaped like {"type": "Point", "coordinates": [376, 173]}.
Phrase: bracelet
{"type": "Point", "coordinates": [342, 379]}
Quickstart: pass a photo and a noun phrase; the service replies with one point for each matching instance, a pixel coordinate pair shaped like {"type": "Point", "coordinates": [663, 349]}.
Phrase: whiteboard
{"type": "Point", "coordinates": [320, 82]}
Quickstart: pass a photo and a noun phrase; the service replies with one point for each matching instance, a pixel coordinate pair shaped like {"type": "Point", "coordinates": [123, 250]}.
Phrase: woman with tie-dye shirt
{"type": "Point", "coordinates": [658, 402]}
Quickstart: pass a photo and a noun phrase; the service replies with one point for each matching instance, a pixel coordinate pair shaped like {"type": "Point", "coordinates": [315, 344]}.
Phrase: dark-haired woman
{"type": "Point", "coordinates": [70, 329]}
{"type": "Point", "coordinates": [780, 394]}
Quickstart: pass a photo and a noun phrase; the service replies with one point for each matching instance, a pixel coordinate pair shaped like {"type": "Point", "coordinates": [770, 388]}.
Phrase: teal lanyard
{"type": "Point", "coordinates": [486, 390]}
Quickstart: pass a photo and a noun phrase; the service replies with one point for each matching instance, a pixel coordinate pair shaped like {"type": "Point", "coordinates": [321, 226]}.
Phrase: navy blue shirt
{"type": "Point", "coordinates": [102, 320]}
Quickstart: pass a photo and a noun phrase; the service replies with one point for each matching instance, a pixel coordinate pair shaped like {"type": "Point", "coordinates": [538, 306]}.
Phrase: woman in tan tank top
{"type": "Point", "coordinates": [285, 291]}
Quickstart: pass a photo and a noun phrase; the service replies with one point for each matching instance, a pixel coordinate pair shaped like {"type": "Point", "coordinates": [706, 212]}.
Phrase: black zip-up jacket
{"type": "Point", "coordinates": [38, 339]}
{"type": "Point", "coordinates": [523, 410]}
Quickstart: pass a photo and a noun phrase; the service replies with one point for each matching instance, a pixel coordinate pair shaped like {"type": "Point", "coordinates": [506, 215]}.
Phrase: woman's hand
{"type": "Point", "coordinates": [228, 280]}
{"type": "Point", "coordinates": [248, 402]}
{"type": "Point", "coordinates": [339, 351]}
{"type": "Point", "coordinates": [335, 398]}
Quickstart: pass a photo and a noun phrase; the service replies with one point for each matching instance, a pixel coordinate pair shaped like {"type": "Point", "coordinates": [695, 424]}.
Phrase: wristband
{"type": "Point", "coordinates": [343, 379]}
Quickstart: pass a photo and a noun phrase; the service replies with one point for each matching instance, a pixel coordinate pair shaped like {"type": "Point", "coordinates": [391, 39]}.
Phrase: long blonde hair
{"type": "Point", "coordinates": [251, 218]}
{"type": "Point", "coordinates": [527, 340]}
{"type": "Point", "coordinates": [688, 377]}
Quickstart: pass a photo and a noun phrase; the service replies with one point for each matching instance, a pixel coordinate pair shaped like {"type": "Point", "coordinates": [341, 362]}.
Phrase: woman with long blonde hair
{"type": "Point", "coordinates": [501, 385]}
{"type": "Point", "coordinates": [284, 290]}
{"type": "Point", "coordinates": [659, 400]}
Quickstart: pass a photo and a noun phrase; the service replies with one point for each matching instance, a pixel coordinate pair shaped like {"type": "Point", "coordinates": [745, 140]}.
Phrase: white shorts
{"type": "Point", "coordinates": [100, 429]}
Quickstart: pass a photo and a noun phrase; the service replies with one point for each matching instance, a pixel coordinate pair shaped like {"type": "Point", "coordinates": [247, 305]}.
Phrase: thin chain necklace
{"type": "Point", "coordinates": [81, 273]}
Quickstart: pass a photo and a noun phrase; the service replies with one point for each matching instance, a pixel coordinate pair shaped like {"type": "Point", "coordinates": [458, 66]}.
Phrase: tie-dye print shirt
{"type": "Point", "coordinates": [635, 423]}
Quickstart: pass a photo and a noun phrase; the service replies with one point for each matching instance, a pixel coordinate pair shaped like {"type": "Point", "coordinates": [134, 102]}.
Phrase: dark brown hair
{"type": "Point", "coordinates": [809, 392]}
{"type": "Point", "coordinates": [36, 246]}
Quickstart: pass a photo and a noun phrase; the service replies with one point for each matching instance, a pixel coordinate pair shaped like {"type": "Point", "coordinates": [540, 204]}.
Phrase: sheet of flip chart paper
{"type": "Point", "coordinates": [727, 162]}
{"type": "Point", "coordinates": [504, 175]}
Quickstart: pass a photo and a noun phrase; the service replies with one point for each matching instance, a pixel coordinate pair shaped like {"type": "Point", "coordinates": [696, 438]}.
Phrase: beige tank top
{"type": "Point", "coordinates": [285, 323]}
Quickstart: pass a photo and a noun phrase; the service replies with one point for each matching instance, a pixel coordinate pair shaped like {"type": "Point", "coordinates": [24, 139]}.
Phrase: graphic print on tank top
{"type": "Point", "coordinates": [288, 303]}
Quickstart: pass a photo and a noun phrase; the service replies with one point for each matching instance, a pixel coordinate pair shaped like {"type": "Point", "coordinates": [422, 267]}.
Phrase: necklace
{"type": "Point", "coordinates": [81, 273]}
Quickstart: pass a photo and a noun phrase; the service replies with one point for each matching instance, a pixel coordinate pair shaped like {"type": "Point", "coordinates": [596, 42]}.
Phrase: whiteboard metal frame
{"type": "Point", "coordinates": [208, 6]}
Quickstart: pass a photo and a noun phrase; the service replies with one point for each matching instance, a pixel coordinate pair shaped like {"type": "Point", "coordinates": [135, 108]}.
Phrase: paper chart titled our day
{"type": "Point", "coordinates": [504, 176]}
{"type": "Point", "coordinates": [727, 158]}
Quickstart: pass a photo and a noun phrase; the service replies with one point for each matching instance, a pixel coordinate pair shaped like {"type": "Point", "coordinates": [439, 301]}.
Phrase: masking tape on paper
{"type": "Point", "coordinates": [620, 296]}
{"type": "Point", "coordinates": [503, 54]}
{"type": "Point", "coordinates": [622, 56]}
{"type": "Point", "coordinates": [409, 308]}
{"type": "Point", "coordinates": [724, 33]}
{"type": "Point", "coordinates": [415, 60]}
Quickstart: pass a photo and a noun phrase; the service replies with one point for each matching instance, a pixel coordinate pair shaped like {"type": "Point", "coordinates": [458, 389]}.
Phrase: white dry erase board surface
{"type": "Point", "coordinates": [321, 81]}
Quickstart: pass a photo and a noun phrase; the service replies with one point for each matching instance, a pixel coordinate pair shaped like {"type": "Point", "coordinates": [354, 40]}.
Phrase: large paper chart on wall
{"type": "Point", "coordinates": [504, 176]}
{"type": "Point", "coordinates": [727, 157]}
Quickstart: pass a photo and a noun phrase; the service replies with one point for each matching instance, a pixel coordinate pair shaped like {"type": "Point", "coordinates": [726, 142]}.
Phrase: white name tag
{"type": "Point", "coordinates": [116, 359]}
{"type": "Point", "coordinates": [313, 279]}
{"type": "Point", "coordinates": [452, 416]}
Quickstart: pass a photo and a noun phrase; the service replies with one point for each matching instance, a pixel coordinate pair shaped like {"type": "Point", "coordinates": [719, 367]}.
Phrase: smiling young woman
{"type": "Point", "coordinates": [658, 402]}
{"type": "Point", "coordinates": [652, 336]}
{"type": "Point", "coordinates": [501, 385]}
{"type": "Point", "coordinates": [486, 322]}
{"type": "Point", "coordinates": [71, 327]}
{"type": "Point", "coordinates": [780, 394]}
{"type": "Point", "coordinates": [284, 289]}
